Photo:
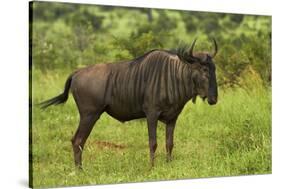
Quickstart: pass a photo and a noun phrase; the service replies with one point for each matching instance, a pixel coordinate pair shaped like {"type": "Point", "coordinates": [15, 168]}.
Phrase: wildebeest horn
{"type": "Point", "coordinates": [216, 48]}
{"type": "Point", "coordinates": [190, 51]}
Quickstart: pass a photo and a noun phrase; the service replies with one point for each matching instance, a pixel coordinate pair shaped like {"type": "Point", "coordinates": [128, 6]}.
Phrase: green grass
{"type": "Point", "coordinates": [230, 138]}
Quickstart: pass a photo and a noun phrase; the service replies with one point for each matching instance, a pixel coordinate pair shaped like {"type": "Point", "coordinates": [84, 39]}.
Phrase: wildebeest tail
{"type": "Point", "coordinates": [62, 98]}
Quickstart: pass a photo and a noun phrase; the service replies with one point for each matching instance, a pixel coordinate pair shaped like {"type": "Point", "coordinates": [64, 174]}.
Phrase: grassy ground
{"type": "Point", "coordinates": [231, 138]}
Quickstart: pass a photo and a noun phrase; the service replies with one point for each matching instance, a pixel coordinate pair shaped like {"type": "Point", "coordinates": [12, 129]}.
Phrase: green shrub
{"type": "Point", "coordinates": [68, 35]}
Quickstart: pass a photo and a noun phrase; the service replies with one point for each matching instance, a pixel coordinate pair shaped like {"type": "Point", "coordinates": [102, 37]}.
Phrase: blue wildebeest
{"type": "Point", "coordinates": [155, 86]}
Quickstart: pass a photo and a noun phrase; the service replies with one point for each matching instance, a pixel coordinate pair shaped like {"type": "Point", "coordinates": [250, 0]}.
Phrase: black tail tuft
{"type": "Point", "coordinates": [62, 98]}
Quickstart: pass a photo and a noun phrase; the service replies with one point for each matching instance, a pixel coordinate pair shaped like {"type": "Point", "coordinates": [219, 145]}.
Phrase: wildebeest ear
{"type": "Point", "coordinates": [185, 54]}
{"type": "Point", "coordinates": [189, 59]}
{"type": "Point", "coordinates": [188, 55]}
{"type": "Point", "coordinates": [194, 99]}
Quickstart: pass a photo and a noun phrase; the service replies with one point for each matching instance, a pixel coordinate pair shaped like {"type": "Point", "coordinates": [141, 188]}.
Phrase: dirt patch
{"type": "Point", "coordinates": [111, 145]}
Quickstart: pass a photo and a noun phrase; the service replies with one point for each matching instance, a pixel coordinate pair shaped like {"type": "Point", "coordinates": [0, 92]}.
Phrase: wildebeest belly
{"type": "Point", "coordinates": [124, 113]}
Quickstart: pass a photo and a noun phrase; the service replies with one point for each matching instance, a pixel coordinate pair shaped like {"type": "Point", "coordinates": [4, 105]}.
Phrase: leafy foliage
{"type": "Point", "coordinates": [70, 35]}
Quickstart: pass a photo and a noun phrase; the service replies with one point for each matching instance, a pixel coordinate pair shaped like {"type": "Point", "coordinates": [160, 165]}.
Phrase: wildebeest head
{"type": "Point", "coordinates": [203, 73]}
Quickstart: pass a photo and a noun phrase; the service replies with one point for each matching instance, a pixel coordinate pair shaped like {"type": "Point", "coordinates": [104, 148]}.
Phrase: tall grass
{"type": "Point", "coordinates": [230, 138]}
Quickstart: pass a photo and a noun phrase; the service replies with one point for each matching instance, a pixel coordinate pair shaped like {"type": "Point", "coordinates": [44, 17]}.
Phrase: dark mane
{"type": "Point", "coordinates": [140, 58]}
{"type": "Point", "coordinates": [180, 51]}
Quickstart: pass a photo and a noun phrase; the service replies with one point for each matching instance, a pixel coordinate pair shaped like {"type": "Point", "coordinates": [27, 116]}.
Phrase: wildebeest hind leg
{"type": "Point", "coordinates": [170, 139]}
{"type": "Point", "coordinates": [152, 128]}
{"type": "Point", "coordinates": [87, 121]}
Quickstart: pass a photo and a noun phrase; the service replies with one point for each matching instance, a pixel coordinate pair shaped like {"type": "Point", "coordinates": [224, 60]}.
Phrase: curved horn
{"type": "Point", "coordinates": [216, 48]}
{"type": "Point", "coordinates": [190, 51]}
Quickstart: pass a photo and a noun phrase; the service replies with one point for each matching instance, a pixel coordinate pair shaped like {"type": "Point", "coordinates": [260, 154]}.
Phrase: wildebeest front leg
{"type": "Point", "coordinates": [170, 139]}
{"type": "Point", "coordinates": [152, 128]}
{"type": "Point", "coordinates": [78, 141]}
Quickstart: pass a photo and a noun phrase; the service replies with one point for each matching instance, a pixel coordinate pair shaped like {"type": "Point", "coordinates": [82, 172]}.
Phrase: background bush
{"type": "Point", "coordinates": [71, 35]}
